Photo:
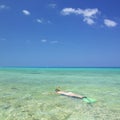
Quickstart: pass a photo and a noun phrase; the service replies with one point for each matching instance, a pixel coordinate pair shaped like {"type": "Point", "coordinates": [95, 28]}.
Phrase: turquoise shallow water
{"type": "Point", "coordinates": [28, 93]}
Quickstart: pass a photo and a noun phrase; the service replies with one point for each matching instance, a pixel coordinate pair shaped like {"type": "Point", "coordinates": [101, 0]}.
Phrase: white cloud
{"type": "Point", "coordinates": [68, 11]}
{"type": "Point", "coordinates": [52, 5]}
{"type": "Point", "coordinates": [88, 20]}
{"type": "Point", "coordinates": [110, 23]}
{"type": "Point", "coordinates": [3, 7]}
{"type": "Point", "coordinates": [50, 42]}
{"type": "Point", "coordinates": [85, 12]}
{"type": "Point", "coordinates": [88, 14]}
{"type": "Point", "coordinates": [26, 12]}
{"type": "Point", "coordinates": [54, 42]}
{"type": "Point", "coordinates": [42, 21]}
{"type": "Point", "coordinates": [39, 20]}
{"type": "Point", "coordinates": [43, 40]}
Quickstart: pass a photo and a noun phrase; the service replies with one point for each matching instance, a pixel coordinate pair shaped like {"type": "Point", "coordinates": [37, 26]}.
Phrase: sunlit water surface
{"type": "Point", "coordinates": [28, 93]}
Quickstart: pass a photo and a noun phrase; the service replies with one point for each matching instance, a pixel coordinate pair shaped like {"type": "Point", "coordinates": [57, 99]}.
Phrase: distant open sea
{"type": "Point", "coordinates": [29, 93]}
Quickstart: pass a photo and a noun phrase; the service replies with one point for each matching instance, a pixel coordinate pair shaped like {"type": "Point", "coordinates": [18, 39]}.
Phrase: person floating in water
{"type": "Point", "coordinates": [69, 94]}
{"type": "Point", "coordinates": [73, 95]}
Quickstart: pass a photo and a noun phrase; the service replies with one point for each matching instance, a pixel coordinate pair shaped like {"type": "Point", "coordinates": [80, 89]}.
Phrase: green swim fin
{"type": "Point", "coordinates": [88, 100]}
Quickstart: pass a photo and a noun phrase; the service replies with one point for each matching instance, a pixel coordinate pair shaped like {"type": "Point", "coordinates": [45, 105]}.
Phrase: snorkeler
{"type": "Point", "coordinates": [69, 94]}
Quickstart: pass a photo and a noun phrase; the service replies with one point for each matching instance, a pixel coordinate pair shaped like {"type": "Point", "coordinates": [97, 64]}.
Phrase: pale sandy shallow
{"type": "Point", "coordinates": [28, 94]}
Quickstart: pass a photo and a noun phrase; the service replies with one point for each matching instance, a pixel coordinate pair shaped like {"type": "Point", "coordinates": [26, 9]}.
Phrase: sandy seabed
{"type": "Point", "coordinates": [28, 94]}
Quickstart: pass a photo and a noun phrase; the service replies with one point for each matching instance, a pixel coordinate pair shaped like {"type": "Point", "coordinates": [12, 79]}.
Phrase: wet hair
{"type": "Point", "coordinates": [57, 89]}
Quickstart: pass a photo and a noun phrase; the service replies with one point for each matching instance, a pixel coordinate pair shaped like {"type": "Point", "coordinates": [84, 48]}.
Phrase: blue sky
{"type": "Point", "coordinates": [60, 33]}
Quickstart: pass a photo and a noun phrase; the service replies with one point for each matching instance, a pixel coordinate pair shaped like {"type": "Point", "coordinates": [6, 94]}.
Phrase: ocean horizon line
{"type": "Point", "coordinates": [54, 67]}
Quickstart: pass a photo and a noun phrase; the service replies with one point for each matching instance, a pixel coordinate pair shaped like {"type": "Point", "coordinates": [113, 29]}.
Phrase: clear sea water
{"type": "Point", "coordinates": [28, 93]}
